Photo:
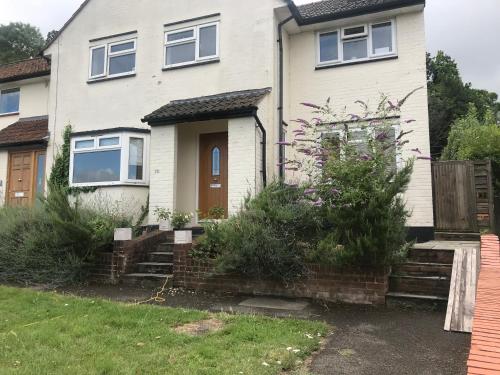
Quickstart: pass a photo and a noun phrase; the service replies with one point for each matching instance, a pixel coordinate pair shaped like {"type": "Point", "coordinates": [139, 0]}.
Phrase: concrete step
{"type": "Point", "coordinates": [433, 255]}
{"type": "Point", "coordinates": [420, 285]}
{"type": "Point", "coordinates": [422, 269]}
{"type": "Point", "coordinates": [456, 236]}
{"type": "Point", "coordinates": [155, 268]}
{"type": "Point", "coordinates": [147, 280]}
{"type": "Point", "coordinates": [417, 300]}
{"type": "Point", "coordinates": [161, 256]}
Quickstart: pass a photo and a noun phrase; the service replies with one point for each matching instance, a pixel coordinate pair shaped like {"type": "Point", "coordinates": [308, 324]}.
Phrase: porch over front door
{"type": "Point", "coordinates": [213, 184]}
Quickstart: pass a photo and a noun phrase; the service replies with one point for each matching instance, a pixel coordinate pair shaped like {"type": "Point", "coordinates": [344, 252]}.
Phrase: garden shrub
{"type": "Point", "coordinates": [54, 241]}
{"type": "Point", "coordinates": [347, 210]}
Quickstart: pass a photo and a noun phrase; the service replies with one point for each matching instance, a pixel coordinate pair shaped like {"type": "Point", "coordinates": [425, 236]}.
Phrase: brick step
{"type": "Point", "coordinates": [161, 256]}
{"type": "Point", "coordinates": [166, 246]}
{"type": "Point", "coordinates": [455, 236]}
{"type": "Point", "coordinates": [420, 285]}
{"type": "Point", "coordinates": [155, 268]}
{"type": "Point", "coordinates": [147, 279]}
{"type": "Point", "coordinates": [439, 256]}
{"type": "Point", "coordinates": [417, 300]}
{"type": "Point", "coordinates": [422, 269]}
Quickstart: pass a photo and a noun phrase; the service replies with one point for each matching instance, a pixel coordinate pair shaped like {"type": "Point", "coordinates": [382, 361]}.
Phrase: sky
{"type": "Point", "coordinates": [469, 31]}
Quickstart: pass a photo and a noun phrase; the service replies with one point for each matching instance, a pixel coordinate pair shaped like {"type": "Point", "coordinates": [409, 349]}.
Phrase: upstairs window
{"type": "Point", "coordinates": [113, 59]}
{"type": "Point", "coordinates": [357, 43]}
{"type": "Point", "coordinates": [192, 45]}
{"type": "Point", "coordinates": [108, 160]}
{"type": "Point", "coordinates": [9, 101]}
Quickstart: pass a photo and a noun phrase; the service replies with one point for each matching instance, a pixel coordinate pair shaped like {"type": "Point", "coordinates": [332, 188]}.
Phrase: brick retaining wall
{"type": "Point", "coordinates": [324, 283]}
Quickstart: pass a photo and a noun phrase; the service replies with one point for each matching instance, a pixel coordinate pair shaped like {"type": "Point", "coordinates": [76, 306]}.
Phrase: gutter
{"type": "Point", "coordinates": [263, 143]}
{"type": "Point", "coordinates": [281, 131]}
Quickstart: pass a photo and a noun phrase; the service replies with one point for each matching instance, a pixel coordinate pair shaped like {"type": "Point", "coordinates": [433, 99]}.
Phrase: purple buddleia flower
{"type": "Point", "coordinates": [335, 191]}
{"type": "Point", "coordinates": [410, 121]}
{"type": "Point", "coordinates": [382, 136]}
{"type": "Point", "coordinates": [310, 191]}
{"type": "Point", "coordinates": [354, 117]}
{"type": "Point", "coordinates": [311, 105]}
{"type": "Point", "coordinates": [392, 106]}
{"type": "Point", "coordinates": [365, 157]}
{"type": "Point", "coordinates": [318, 203]}
{"type": "Point", "coordinates": [416, 150]}
{"type": "Point", "coordinates": [284, 143]}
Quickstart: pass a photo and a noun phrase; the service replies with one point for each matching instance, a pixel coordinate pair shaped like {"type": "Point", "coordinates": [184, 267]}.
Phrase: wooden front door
{"type": "Point", "coordinates": [26, 177]}
{"type": "Point", "coordinates": [213, 173]}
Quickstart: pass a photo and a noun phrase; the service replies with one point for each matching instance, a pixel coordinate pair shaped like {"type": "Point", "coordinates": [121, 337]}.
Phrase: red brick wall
{"type": "Point", "coordinates": [324, 283]}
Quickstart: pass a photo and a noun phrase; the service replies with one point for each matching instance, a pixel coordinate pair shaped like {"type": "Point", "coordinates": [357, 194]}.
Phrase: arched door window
{"type": "Point", "coordinates": [215, 161]}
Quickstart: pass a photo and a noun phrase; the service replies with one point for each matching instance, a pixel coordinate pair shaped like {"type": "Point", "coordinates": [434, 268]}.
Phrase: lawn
{"type": "Point", "coordinates": [47, 333]}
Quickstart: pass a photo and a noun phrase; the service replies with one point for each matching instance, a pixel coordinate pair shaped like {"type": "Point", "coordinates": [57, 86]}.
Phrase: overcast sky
{"type": "Point", "coordinates": [467, 30]}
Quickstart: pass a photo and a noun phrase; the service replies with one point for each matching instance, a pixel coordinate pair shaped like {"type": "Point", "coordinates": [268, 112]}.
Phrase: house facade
{"type": "Point", "coordinates": [184, 102]}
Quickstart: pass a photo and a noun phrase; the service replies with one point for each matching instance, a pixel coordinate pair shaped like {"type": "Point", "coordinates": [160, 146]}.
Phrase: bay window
{"type": "Point", "coordinates": [357, 43]}
{"type": "Point", "coordinates": [113, 59]}
{"type": "Point", "coordinates": [108, 159]}
{"type": "Point", "coordinates": [191, 45]}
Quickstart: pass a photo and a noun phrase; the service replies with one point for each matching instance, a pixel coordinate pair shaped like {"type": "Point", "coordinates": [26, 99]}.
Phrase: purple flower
{"type": "Point", "coordinates": [354, 117]}
{"type": "Point", "coordinates": [365, 157]}
{"type": "Point", "coordinates": [335, 191]}
{"type": "Point", "coordinates": [410, 121]}
{"type": "Point", "coordinates": [311, 105]}
{"type": "Point", "coordinates": [424, 158]}
{"type": "Point", "coordinates": [283, 143]}
{"type": "Point", "coordinates": [318, 203]}
{"type": "Point", "coordinates": [381, 136]}
{"type": "Point", "coordinates": [392, 106]}
{"type": "Point", "coordinates": [416, 150]}
{"type": "Point", "coordinates": [310, 191]}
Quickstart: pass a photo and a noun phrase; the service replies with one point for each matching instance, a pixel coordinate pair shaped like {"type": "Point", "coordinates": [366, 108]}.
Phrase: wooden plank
{"type": "Point", "coordinates": [462, 296]}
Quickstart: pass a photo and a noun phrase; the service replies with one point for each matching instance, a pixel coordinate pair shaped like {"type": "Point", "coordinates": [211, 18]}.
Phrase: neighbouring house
{"type": "Point", "coordinates": [185, 101]}
{"type": "Point", "coordinates": [24, 135]}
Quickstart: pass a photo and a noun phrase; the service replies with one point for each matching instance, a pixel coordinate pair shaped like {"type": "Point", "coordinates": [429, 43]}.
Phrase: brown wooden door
{"type": "Point", "coordinates": [21, 170]}
{"type": "Point", "coordinates": [454, 196]}
{"type": "Point", "coordinates": [213, 172]}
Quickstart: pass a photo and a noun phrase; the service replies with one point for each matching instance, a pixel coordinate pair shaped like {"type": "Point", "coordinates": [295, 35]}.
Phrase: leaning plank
{"type": "Point", "coordinates": [462, 297]}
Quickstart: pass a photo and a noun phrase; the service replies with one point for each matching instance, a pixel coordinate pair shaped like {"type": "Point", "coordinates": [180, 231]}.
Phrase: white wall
{"type": "Point", "coordinates": [33, 99]}
{"type": "Point", "coordinates": [396, 78]}
{"type": "Point", "coordinates": [4, 159]}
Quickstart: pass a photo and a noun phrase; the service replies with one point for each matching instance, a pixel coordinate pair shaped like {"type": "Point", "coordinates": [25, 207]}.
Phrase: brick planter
{"type": "Point", "coordinates": [358, 286]}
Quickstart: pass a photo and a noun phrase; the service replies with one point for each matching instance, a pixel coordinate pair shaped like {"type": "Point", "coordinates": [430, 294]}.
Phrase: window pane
{"type": "Point", "coordinates": [98, 61]}
{"type": "Point", "coordinates": [106, 142]}
{"type": "Point", "coordinates": [181, 53]}
{"type": "Point", "coordinates": [355, 49]}
{"type": "Point", "coordinates": [357, 135]}
{"type": "Point", "coordinates": [180, 35]}
{"type": "Point", "coordinates": [40, 173]}
{"type": "Point", "coordinates": [102, 166]}
{"type": "Point", "coordinates": [89, 143]}
{"type": "Point", "coordinates": [9, 101]}
{"type": "Point", "coordinates": [354, 30]}
{"type": "Point", "coordinates": [216, 162]}
{"type": "Point", "coordinates": [329, 47]}
{"type": "Point", "coordinates": [122, 64]}
{"type": "Point", "coordinates": [122, 47]}
{"type": "Point", "coordinates": [136, 159]}
{"type": "Point", "coordinates": [208, 41]}
{"type": "Point", "coordinates": [382, 38]}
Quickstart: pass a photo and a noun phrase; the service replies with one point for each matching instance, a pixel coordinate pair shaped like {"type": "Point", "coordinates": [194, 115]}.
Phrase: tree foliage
{"type": "Point", "coordinates": [449, 99]}
{"type": "Point", "coordinates": [19, 41]}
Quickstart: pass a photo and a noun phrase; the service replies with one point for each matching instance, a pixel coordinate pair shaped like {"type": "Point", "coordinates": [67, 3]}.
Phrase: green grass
{"type": "Point", "coordinates": [46, 333]}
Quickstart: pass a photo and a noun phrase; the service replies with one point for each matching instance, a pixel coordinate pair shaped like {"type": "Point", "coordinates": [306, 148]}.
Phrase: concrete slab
{"type": "Point", "coordinates": [447, 245]}
{"type": "Point", "coordinates": [274, 303]}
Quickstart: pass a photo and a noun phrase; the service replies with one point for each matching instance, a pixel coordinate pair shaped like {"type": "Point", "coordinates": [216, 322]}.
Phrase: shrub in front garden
{"type": "Point", "coordinates": [54, 241]}
{"type": "Point", "coordinates": [346, 210]}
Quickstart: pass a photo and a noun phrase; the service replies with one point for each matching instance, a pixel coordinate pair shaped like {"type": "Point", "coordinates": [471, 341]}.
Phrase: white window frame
{"type": "Point", "coordinates": [108, 55]}
{"type": "Point", "coordinates": [124, 146]}
{"type": "Point", "coordinates": [370, 132]}
{"type": "Point", "coordinates": [195, 38]}
{"type": "Point", "coordinates": [350, 38]}
{"type": "Point", "coordinates": [18, 89]}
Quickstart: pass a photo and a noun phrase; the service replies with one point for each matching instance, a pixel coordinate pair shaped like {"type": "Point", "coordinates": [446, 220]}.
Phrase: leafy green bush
{"type": "Point", "coordinates": [269, 238]}
{"type": "Point", "coordinates": [54, 241]}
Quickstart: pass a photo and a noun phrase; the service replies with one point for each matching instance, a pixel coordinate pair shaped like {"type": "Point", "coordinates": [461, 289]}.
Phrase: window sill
{"type": "Point", "coordinates": [104, 185]}
{"type": "Point", "coordinates": [97, 80]}
{"type": "Point", "coordinates": [199, 63]}
{"type": "Point", "coordinates": [9, 114]}
{"type": "Point", "coordinates": [339, 65]}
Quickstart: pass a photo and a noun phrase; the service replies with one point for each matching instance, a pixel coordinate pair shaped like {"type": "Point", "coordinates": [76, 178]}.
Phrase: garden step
{"type": "Point", "coordinates": [422, 269]}
{"type": "Point", "coordinates": [166, 247]}
{"type": "Point", "coordinates": [155, 268]}
{"type": "Point", "coordinates": [420, 285]}
{"type": "Point", "coordinates": [439, 256]}
{"type": "Point", "coordinates": [161, 256]}
{"type": "Point", "coordinates": [416, 300]}
{"type": "Point", "coordinates": [147, 279]}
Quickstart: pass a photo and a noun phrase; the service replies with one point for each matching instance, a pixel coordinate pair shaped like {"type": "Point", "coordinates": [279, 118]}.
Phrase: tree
{"type": "Point", "coordinates": [51, 35]}
{"type": "Point", "coordinates": [449, 99]}
{"type": "Point", "coordinates": [19, 41]}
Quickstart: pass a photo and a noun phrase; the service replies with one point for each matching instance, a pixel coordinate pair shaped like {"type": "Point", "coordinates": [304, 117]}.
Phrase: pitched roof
{"type": "Point", "coordinates": [24, 69]}
{"type": "Point", "coordinates": [229, 104]}
{"type": "Point", "coordinates": [26, 131]}
{"type": "Point", "coordinates": [327, 10]}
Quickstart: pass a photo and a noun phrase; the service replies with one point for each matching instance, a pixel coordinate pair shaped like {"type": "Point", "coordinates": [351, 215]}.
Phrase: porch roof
{"type": "Point", "coordinates": [225, 105]}
{"type": "Point", "coordinates": [28, 131]}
